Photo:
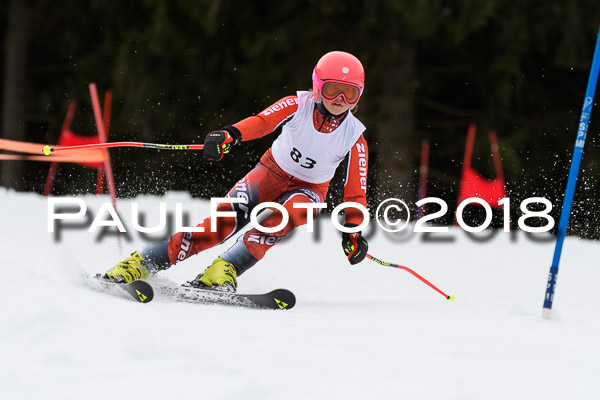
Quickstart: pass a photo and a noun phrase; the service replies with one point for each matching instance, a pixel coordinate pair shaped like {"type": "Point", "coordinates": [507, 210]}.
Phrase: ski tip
{"type": "Point", "coordinates": [451, 298]}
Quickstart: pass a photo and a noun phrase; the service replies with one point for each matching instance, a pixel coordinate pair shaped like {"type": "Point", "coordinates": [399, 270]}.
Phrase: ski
{"type": "Point", "coordinates": [143, 292]}
{"type": "Point", "coordinates": [139, 290]}
{"type": "Point", "coordinates": [279, 299]}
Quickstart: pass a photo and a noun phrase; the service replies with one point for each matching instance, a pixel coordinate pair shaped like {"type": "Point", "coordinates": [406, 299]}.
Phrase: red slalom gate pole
{"type": "Point", "coordinates": [47, 150]}
{"type": "Point", "coordinates": [387, 264]}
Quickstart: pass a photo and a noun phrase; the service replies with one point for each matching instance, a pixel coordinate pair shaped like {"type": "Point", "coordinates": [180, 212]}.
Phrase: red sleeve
{"type": "Point", "coordinates": [268, 120]}
{"type": "Point", "coordinates": [355, 188]}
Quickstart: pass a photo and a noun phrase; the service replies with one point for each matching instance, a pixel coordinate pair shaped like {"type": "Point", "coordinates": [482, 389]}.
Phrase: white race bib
{"type": "Point", "coordinates": [310, 155]}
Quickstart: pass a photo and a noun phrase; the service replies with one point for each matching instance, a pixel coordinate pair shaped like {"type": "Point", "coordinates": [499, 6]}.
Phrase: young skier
{"type": "Point", "coordinates": [319, 132]}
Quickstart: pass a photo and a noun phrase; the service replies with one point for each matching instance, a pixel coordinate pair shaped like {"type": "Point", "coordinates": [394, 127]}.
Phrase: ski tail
{"type": "Point", "coordinates": [139, 290]}
{"type": "Point", "coordinates": [279, 299]}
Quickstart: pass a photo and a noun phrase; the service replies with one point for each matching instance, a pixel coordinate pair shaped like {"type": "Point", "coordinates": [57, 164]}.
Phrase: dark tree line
{"type": "Point", "coordinates": [181, 69]}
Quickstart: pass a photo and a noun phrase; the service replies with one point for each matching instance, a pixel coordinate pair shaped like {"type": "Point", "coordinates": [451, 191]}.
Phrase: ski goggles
{"type": "Point", "coordinates": [332, 89]}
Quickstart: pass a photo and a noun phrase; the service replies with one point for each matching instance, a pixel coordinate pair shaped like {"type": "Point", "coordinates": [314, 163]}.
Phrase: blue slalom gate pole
{"type": "Point", "coordinates": [572, 180]}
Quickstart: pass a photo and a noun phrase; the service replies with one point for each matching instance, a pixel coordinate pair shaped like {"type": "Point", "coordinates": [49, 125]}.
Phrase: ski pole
{"type": "Point", "coordinates": [387, 264]}
{"type": "Point", "coordinates": [47, 149]}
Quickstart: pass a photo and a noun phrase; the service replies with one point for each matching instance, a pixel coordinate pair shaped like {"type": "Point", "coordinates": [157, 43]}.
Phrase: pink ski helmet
{"type": "Point", "coordinates": [338, 74]}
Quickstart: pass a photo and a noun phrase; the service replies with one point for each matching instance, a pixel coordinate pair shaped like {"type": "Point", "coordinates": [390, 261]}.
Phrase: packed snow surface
{"type": "Point", "coordinates": [357, 332]}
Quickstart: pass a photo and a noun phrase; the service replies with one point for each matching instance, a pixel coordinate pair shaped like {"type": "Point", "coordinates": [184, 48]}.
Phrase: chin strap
{"type": "Point", "coordinates": [328, 119]}
{"type": "Point", "coordinates": [326, 114]}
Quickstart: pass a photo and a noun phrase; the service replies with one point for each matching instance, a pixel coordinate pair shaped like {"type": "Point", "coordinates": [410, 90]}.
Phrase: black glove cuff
{"type": "Point", "coordinates": [234, 132]}
{"type": "Point", "coordinates": [350, 225]}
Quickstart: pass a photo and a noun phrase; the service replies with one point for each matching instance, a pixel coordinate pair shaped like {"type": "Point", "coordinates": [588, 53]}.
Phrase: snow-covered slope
{"type": "Point", "coordinates": [357, 332]}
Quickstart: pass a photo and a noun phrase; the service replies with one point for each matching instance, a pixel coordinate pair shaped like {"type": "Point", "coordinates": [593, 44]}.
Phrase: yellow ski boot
{"type": "Point", "coordinates": [129, 270]}
{"type": "Point", "coordinates": [221, 275]}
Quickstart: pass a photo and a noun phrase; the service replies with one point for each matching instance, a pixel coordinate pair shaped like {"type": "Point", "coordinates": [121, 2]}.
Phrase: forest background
{"type": "Point", "coordinates": [181, 69]}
